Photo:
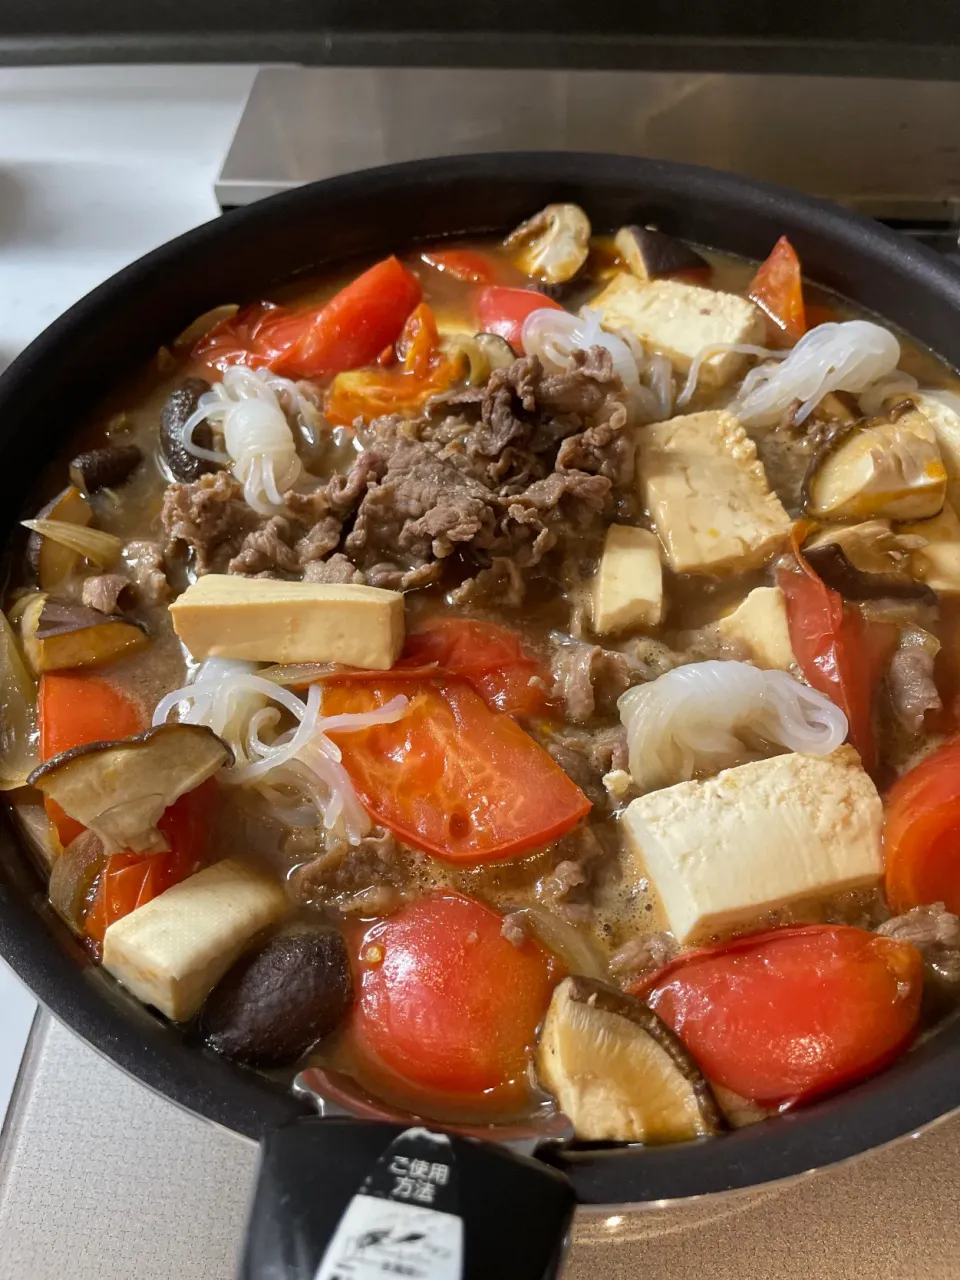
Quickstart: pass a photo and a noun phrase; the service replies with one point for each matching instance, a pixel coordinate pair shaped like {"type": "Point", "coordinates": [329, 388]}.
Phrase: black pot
{"type": "Point", "coordinates": [239, 257]}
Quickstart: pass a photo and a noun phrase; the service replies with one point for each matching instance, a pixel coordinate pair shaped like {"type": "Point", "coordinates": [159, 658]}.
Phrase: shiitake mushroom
{"type": "Point", "coordinates": [104, 468]}
{"type": "Point", "coordinates": [181, 403]}
{"type": "Point", "coordinates": [279, 1001]}
{"type": "Point", "coordinates": [650, 253]}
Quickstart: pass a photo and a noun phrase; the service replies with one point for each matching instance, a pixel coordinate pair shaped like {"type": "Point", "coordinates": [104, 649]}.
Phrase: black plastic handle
{"type": "Point", "coordinates": [346, 1199]}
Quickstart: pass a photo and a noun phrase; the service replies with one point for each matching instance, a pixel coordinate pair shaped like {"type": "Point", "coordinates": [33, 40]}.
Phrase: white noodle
{"type": "Point", "coordinates": [234, 702]}
{"type": "Point", "coordinates": [898, 383]}
{"type": "Point", "coordinates": [706, 716]}
{"type": "Point", "coordinates": [719, 349]}
{"type": "Point", "coordinates": [247, 411]}
{"type": "Point", "coordinates": [846, 356]}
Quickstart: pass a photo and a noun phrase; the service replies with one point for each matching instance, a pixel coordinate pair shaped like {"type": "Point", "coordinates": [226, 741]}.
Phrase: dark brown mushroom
{"type": "Point", "coordinates": [105, 468]}
{"type": "Point", "coordinates": [120, 790]}
{"type": "Point", "coordinates": [831, 563]}
{"type": "Point", "coordinates": [650, 253]}
{"type": "Point", "coordinates": [181, 403]}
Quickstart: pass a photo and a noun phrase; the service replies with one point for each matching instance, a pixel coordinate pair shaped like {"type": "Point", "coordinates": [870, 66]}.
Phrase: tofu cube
{"type": "Point", "coordinates": [723, 853]}
{"type": "Point", "coordinates": [893, 471]}
{"type": "Point", "coordinates": [945, 421]}
{"type": "Point", "coordinates": [628, 588]}
{"type": "Point", "coordinates": [173, 951]}
{"type": "Point", "coordinates": [706, 490]}
{"type": "Point", "coordinates": [679, 320]}
{"type": "Point", "coordinates": [938, 563]}
{"type": "Point", "coordinates": [223, 616]}
{"type": "Point", "coordinates": [759, 623]}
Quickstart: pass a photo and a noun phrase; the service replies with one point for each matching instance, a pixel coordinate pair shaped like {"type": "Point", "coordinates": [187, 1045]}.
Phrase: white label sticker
{"type": "Point", "coordinates": [381, 1239]}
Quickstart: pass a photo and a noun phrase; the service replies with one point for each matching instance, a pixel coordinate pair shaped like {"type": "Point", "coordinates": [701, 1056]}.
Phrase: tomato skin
{"type": "Point", "coordinates": [490, 657]}
{"type": "Point", "coordinates": [350, 330]}
{"type": "Point", "coordinates": [445, 1001]}
{"type": "Point", "coordinates": [130, 880]}
{"type": "Point", "coordinates": [777, 289]}
{"type": "Point", "coordinates": [451, 777]}
{"type": "Point", "coordinates": [502, 310]}
{"type": "Point", "coordinates": [840, 653]}
{"type": "Point", "coordinates": [462, 264]}
{"type": "Point", "coordinates": [75, 710]}
{"type": "Point", "coordinates": [921, 839]}
{"type": "Point", "coordinates": [791, 1014]}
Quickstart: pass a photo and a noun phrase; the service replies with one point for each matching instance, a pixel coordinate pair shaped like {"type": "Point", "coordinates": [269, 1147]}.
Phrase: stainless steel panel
{"type": "Point", "coordinates": [888, 147]}
{"type": "Point", "coordinates": [102, 1180]}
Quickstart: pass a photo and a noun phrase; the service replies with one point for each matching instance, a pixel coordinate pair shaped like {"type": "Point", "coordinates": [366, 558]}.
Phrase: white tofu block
{"type": "Point", "coordinates": [706, 490]}
{"type": "Point", "coordinates": [892, 471]}
{"type": "Point", "coordinates": [628, 587]}
{"type": "Point", "coordinates": [938, 563]}
{"type": "Point", "coordinates": [759, 623]}
{"type": "Point", "coordinates": [173, 951]}
{"type": "Point", "coordinates": [724, 852]}
{"type": "Point", "coordinates": [680, 320]}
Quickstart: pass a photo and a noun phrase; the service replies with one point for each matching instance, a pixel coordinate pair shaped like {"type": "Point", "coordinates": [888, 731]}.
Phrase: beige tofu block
{"type": "Point", "coordinates": [938, 563]}
{"type": "Point", "coordinates": [723, 853]}
{"type": "Point", "coordinates": [628, 587]}
{"type": "Point", "coordinates": [707, 492]}
{"type": "Point", "coordinates": [226, 616]}
{"type": "Point", "coordinates": [680, 320]}
{"type": "Point", "coordinates": [759, 623]}
{"type": "Point", "coordinates": [173, 951]}
{"type": "Point", "coordinates": [893, 471]}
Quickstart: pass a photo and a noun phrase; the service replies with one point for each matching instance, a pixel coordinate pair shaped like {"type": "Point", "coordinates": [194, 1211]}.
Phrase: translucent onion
{"type": "Point", "coordinates": [845, 356]}
{"type": "Point", "coordinates": [72, 877]}
{"type": "Point", "coordinates": [707, 716]}
{"type": "Point", "coordinates": [18, 714]}
{"type": "Point", "coordinates": [577, 951]}
{"type": "Point", "coordinates": [93, 544]}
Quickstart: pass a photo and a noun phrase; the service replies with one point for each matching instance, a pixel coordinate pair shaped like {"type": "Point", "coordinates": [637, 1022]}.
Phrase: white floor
{"type": "Point", "coordinates": [97, 165]}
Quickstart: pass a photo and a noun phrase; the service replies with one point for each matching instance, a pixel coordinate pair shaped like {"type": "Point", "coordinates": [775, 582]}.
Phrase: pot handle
{"type": "Point", "coordinates": [346, 1199]}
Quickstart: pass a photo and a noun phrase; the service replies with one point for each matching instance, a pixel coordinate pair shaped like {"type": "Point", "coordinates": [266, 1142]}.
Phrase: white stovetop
{"type": "Point", "coordinates": [97, 165]}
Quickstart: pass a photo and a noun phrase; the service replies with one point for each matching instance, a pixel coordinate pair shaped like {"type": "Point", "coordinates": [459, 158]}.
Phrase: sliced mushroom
{"type": "Point", "coordinates": [181, 403]}
{"type": "Point", "coordinates": [72, 877]}
{"type": "Point", "coordinates": [483, 352]}
{"type": "Point", "coordinates": [831, 563]}
{"type": "Point", "coordinates": [618, 1072]}
{"type": "Point", "coordinates": [650, 253]}
{"type": "Point", "coordinates": [105, 468]}
{"type": "Point", "coordinates": [58, 634]}
{"type": "Point", "coordinates": [120, 790]}
{"type": "Point", "coordinates": [553, 245]}
{"type": "Point", "coordinates": [51, 561]}
{"type": "Point", "coordinates": [276, 1003]}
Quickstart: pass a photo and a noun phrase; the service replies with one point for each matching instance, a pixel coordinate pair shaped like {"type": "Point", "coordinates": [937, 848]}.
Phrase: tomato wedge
{"type": "Point", "coordinates": [426, 370]}
{"type": "Point", "coordinates": [839, 652]}
{"type": "Point", "coordinates": [777, 289]}
{"type": "Point", "coordinates": [462, 264]}
{"type": "Point", "coordinates": [451, 776]}
{"type": "Point", "coordinates": [75, 710]}
{"type": "Point", "coordinates": [502, 310]}
{"type": "Point", "coordinates": [921, 839]}
{"type": "Point", "coordinates": [446, 1002]}
{"type": "Point", "coordinates": [490, 658]}
{"type": "Point", "coordinates": [350, 330]}
{"type": "Point", "coordinates": [788, 1015]}
{"type": "Point", "coordinates": [130, 880]}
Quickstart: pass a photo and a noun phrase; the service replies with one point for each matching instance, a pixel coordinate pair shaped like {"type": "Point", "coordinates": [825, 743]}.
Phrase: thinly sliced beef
{"type": "Point", "coordinates": [588, 678]}
{"type": "Point", "coordinates": [267, 551]}
{"type": "Point", "coordinates": [146, 564]}
{"type": "Point", "coordinates": [365, 880]}
{"type": "Point", "coordinates": [935, 932]}
{"type": "Point", "coordinates": [587, 755]}
{"type": "Point", "coordinates": [336, 569]}
{"type": "Point", "coordinates": [209, 517]}
{"type": "Point", "coordinates": [106, 591]}
{"type": "Point", "coordinates": [910, 681]}
{"type": "Point", "coordinates": [643, 955]}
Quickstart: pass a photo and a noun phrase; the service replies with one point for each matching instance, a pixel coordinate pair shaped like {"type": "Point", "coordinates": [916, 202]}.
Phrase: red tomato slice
{"type": "Point", "coordinates": [446, 1002]}
{"type": "Point", "coordinates": [452, 777]}
{"type": "Point", "coordinates": [784, 1016]}
{"type": "Point", "coordinates": [75, 710]}
{"type": "Point", "coordinates": [350, 330]}
{"type": "Point", "coordinates": [922, 833]}
{"type": "Point", "coordinates": [839, 652]}
{"type": "Point", "coordinates": [503, 310]}
{"type": "Point", "coordinates": [130, 880]}
{"type": "Point", "coordinates": [462, 264]}
{"type": "Point", "coordinates": [777, 289]}
{"type": "Point", "coordinates": [489, 657]}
